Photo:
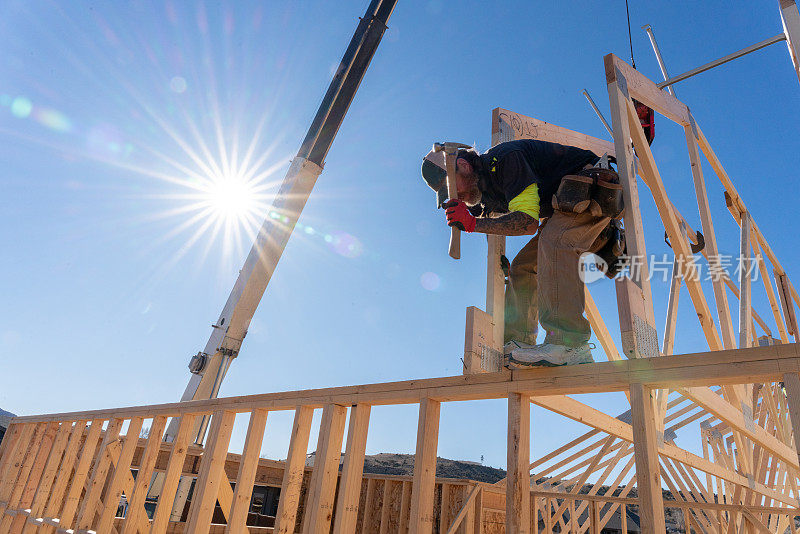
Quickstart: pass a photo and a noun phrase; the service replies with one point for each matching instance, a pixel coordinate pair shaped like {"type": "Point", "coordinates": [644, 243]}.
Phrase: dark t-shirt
{"type": "Point", "coordinates": [512, 166]}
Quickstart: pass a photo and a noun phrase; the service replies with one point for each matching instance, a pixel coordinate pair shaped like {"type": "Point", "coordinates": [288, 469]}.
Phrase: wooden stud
{"type": "Point", "coordinates": [548, 518]}
{"type": "Point", "coordinates": [370, 507]}
{"type": "Point", "coordinates": [17, 481]}
{"type": "Point", "coordinates": [352, 470]}
{"type": "Point", "coordinates": [784, 292]}
{"type": "Point", "coordinates": [212, 468]}
{"type": "Point", "coordinates": [672, 309]}
{"type": "Point", "coordinates": [518, 486]}
{"type": "Point", "coordinates": [174, 468]}
{"type": "Point", "coordinates": [600, 329]}
{"type": "Point", "coordinates": [58, 492]}
{"type": "Point", "coordinates": [97, 480]}
{"type": "Point", "coordinates": [49, 474]}
{"type": "Point", "coordinates": [245, 479]}
{"type": "Point", "coordinates": [135, 517]}
{"type": "Point", "coordinates": [768, 287]}
{"type": "Point", "coordinates": [405, 507]}
{"type": "Point", "coordinates": [386, 508]}
{"type": "Point", "coordinates": [78, 478]}
{"type": "Point", "coordinates": [422, 492]}
{"type": "Point", "coordinates": [495, 288]}
{"type": "Point", "coordinates": [745, 258]}
{"type": "Point", "coordinates": [444, 507]}
{"type": "Point", "coordinates": [293, 471]}
{"type": "Point", "coordinates": [320, 501]}
{"type": "Point", "coordinates": [15, 457]}
{"type": "Point", "coordinates": [720, 294]}
{"type": "Point", "coordinates": [594, 520]}
{"type": "Point", "coordinates": [651, 509]}
{"type": "Point", "coordinates": [791, 382]}
{"type": "Point", "coordinates": [122, 471]}
{"type": "Point", "coordinates": [22, 499]}
{"type": "Point", "coordinates": [467, 505]}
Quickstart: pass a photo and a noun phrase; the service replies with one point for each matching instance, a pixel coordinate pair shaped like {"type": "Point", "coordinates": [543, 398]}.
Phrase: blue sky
{"type": "Point", "coordinates": [111, 281]}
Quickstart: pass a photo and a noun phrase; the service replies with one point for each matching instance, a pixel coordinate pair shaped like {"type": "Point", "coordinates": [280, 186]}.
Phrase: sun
{"type": "Point", "coordinates": [231, 197]}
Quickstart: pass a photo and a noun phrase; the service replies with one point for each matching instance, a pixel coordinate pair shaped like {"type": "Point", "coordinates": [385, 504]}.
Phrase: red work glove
{"type": "Point", "coordinates": [459, 216]}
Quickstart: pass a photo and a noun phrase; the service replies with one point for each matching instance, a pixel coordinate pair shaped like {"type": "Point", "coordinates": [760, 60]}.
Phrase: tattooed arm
{"type": "Point", "coordinates": [512, 223]}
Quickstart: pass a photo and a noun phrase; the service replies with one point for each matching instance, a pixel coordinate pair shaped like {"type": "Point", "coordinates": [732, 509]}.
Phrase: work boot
{"type": "Point", "coordinates": [547, 355]}
{"type": "Point", "coordinates": [514, 344]}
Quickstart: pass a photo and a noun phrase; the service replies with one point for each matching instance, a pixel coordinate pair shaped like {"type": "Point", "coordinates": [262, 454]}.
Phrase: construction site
{"type": "Point", "coordinates": [699, 439]}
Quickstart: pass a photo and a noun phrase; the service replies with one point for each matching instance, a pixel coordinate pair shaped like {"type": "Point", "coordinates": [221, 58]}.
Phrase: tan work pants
{"type": "Point", "coordinates": [545, 284]}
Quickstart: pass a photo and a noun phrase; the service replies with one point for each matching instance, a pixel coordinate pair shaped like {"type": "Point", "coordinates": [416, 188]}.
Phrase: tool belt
{"type": "Point", "coordinates": [596, 189]}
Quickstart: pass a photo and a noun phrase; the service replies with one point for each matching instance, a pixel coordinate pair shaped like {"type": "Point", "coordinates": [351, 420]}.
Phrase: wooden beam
{"type": "Point", "coordinates": [651, 509]}
{"type": "Point", "coordinates": [768, 287]}
{"type": "Point", "coordinates": [518, 485]}
{"type": "Point", "coordinates": [352, 470]}
{"type": "Point", "coordinates": [320, 501]}
{"type": "Point", "coordinates": [755, 364]}
{"type": "Point", "coordinates": [421, 519]}
{"type": "Point", "coordinates": [646, 91]}
{"type": "Point", "coordinates": [509, 126]}
{"type": "Point", "coordinates": [286, 516]}
{"type": "Point", "coordinates": [634, 296]}
{"type": "Point", "coordinates": [245, 479]}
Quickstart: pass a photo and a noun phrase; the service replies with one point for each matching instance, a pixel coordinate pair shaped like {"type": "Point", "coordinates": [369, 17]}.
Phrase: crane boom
{"type": "Point", "coordinates": [210, 366]}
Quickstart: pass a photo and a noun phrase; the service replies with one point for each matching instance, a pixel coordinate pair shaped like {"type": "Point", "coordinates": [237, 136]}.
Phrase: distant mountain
{"type": "Point", "coordinates": [5, 418]}
{"type": "Point", "coordinates": [403, 464]}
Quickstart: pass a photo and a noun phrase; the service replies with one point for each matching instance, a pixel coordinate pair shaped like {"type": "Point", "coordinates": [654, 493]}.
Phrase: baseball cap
{"type": "Point", "coordinates": [434, 172]}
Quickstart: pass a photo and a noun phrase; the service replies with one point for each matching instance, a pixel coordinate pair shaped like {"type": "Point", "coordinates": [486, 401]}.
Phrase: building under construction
{"type": "Point", "coordinates": [95, 471]}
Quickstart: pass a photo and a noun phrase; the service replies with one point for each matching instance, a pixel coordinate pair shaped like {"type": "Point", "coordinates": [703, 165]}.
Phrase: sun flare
{"type": "Point", "coordinates": [231, 197]}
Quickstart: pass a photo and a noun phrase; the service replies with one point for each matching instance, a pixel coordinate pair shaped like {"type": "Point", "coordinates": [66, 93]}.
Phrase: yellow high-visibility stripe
{"type": "Point", "coordinates": [527, 201]}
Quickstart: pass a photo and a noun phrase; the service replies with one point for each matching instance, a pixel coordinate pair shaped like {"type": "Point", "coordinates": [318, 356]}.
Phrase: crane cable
{"type": "Point", "coordinates": [630, 39]}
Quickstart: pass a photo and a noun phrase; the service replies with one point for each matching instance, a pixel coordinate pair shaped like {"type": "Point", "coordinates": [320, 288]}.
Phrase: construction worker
{"type": "Point", "coordinates": [509, 191]}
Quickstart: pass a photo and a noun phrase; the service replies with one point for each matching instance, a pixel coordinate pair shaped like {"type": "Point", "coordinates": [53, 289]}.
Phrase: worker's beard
{"type": "Point", "coordinates": [472, 197]}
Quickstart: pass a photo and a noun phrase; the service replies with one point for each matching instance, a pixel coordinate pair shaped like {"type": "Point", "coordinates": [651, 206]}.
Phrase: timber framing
{"type": "Point", "coordinates": [68, 472]}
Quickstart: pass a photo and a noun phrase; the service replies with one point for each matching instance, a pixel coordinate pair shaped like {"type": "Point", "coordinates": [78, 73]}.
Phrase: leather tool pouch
{"type": "Point", "coordinates": [595, 189]}
{"type": "Point", "coordinates": [614, 249]}
{"type": "Point", "coordinates": [574, 194]}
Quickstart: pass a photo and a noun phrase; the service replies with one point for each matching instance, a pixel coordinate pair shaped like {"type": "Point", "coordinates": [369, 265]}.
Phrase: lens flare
{"type": "Point", "coordinates": [430, 281]}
